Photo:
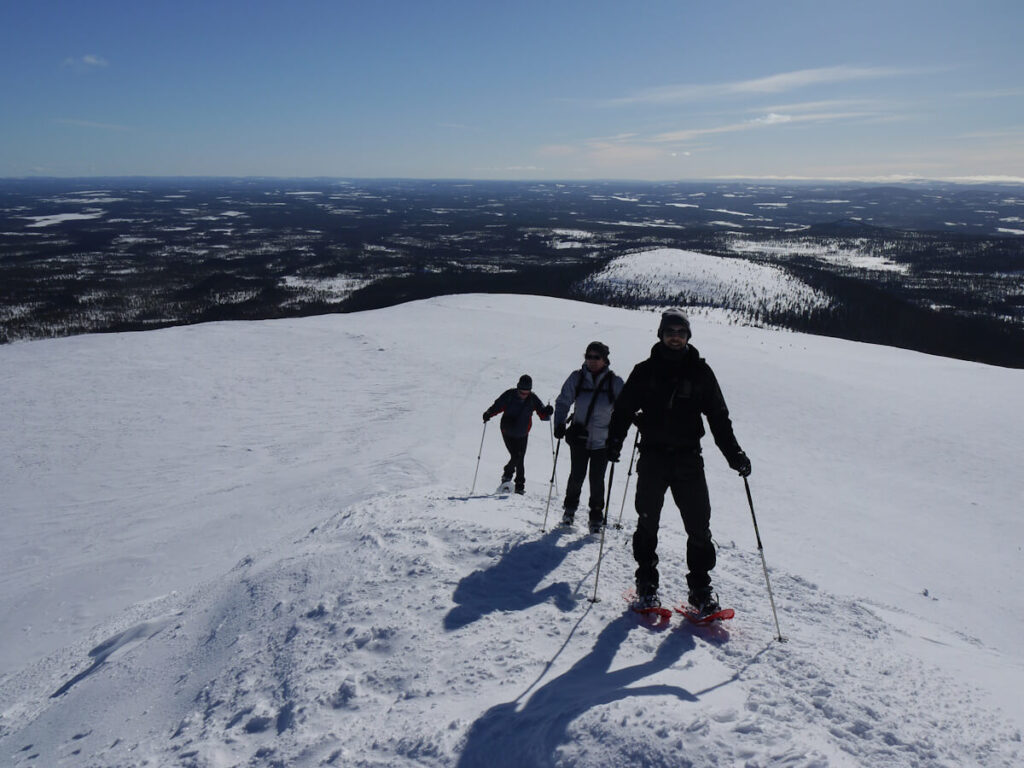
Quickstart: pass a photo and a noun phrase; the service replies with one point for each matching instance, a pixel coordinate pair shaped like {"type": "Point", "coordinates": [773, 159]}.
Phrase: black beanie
{"type": "Point", "coordinates": [525, 382]}
{"type": "Point", "coordinates": [674, 316]}
{"type": "Point", "coordinates": [600, 348]}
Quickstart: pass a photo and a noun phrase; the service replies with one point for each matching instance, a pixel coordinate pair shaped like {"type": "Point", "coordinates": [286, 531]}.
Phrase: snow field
{"type": "Point", "coordinates": [254, 544]}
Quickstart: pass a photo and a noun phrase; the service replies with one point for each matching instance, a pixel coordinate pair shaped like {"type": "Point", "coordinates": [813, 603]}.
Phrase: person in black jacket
{"type": "Point", "coordinates": [517, 407]}
{"type": "Point", "coordinates": [666, 395]}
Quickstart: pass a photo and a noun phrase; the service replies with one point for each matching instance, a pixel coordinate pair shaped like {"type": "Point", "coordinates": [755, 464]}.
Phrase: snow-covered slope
{"type": "Point", "coordinates": [254, 544]}
{"type": "Point", "coordinates": [690, 279]}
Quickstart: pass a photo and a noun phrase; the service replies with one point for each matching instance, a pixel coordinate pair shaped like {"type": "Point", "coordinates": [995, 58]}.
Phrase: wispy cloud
{"type": "Point", "coordinates": [91, 124]}
{"type": "Point", "coordinates": [637, 148]}
{"type": "Point", "coordinates": [88, 61]}
{"type": "Point", "coordinates": [772, 84]}
{"type": "Point", "coordinates": [995, 93]}
{"type": "Point", "coordinates": [1006, 133]}
{"type": "Point", "coordinates": [766, 120]}
{"type": "Point", "coordinates": [827, 105]}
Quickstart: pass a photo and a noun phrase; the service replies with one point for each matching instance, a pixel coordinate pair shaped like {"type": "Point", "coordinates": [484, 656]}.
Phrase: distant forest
{"type": "Point", "coordinates": [121, 255]}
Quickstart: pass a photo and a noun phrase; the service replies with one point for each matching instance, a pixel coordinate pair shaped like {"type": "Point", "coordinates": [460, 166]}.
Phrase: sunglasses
{"type": "Point", "coordinates": [675, 332]}
{"type": "Point", "coordinates": [593, 357]}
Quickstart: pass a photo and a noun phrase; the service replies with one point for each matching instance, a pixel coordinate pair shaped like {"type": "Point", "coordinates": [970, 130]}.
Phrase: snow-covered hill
{"type": "Point", "coordinates": [669, 276]}
{"type": "Point", "coordinates": [255, 544]}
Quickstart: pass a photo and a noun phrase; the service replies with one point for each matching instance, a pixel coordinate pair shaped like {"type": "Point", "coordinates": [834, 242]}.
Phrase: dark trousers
{"type": "Point", "coordinates": [580, 458]}
{"type": "Point", "coordinates": [517, 454]}
{"type": "Point", "coordinates": [683, 473]}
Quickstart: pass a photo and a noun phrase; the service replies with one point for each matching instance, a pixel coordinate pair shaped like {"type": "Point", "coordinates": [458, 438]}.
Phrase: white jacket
{"type": "Point", "coordinates": [586, 384]}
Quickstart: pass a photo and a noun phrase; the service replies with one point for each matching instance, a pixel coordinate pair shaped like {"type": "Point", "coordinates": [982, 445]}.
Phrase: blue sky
{"type": "Point", "coordinates": [526, 90]}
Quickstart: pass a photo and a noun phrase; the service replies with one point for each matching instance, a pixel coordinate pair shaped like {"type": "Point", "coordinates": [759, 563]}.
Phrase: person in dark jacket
{"type": "Point", "coordinates": [517, 407]}
{"type": "Point", "coordinates": [591, 391]}
{"type": "Point", "coordinates": [666, 396]}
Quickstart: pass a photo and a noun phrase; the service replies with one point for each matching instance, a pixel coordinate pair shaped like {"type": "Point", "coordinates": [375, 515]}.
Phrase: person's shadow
{"type": "Point", "coordinates": [511, 583]}
{"type": "Point", "coordinates": [508, 736]}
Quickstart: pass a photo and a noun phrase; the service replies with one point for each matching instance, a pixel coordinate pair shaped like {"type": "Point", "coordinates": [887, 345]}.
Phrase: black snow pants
{"type": "Point", "coordinates": [516, 463]}
{"type": "Point", "coordinates": [683, 473]}
{"type": "Point", "coordinates": [580, 458]}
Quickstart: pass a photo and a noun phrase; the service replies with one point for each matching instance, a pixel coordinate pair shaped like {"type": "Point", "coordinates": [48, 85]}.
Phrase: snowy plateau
{"type": "Point", "coordinates": [258, 544]}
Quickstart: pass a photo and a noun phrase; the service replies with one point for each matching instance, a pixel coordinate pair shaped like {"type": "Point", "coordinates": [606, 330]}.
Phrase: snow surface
{"type": "Point", "coordinates": [832, 253]}
{"type": "Point", "coordinates": [255, 544]}
{"type": "Point", "coordinates": [687, 278]}
{"type": "Point", "coordinates": [57, 218]}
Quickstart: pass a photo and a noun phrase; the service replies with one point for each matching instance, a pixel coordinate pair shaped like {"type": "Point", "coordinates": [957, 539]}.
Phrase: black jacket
{"type": "Point", "coordinates": [516, 412]}
{"type": "Point", "coordinates": [670, 391]}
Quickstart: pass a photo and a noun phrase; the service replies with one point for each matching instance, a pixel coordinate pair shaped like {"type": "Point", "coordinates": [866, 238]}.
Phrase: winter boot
{"type": "Point", "coordinates": [704, 601]}
{"type": "Point", "coordinates": [644, 602]}
{"type": "Point", "coordinates": [568, 517]}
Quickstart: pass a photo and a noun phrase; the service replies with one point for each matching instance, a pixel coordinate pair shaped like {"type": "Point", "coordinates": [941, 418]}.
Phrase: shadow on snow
{"type": "Point", "coordinates": [507, 735]}
{"type": "Point", "coordinates": [511, 583]}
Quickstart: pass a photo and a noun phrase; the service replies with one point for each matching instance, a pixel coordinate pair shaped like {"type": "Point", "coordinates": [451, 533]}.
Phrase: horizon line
{"type": "Point", "coordinates": [884, 179]}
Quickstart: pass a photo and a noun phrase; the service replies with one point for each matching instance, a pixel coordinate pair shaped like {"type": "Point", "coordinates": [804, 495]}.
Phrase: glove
{"type": "Point", "coordinates": [741, 464]}
{"type": "Point", "coordinates": [614, 450]}
{"type": "Point", "coordinates": [548, 410]}
{"type": "Point", "coordinates": [559, 430]}
{"type": "Point", "coordinates": [487, 417]}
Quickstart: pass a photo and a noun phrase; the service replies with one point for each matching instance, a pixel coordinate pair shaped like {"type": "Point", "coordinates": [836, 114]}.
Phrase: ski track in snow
{"type": "Point", "coordinates": [438, 641]}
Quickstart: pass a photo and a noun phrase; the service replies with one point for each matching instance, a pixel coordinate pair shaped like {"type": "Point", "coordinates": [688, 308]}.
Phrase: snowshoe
{"type": "Point", "coordinates": [645, 602]}
{"type": "Point", "coordinates": [704, 608]}
{"type": "Point", "coordinates": [647, 605]}
{"type": "Point", "coordinates": [704, 602]}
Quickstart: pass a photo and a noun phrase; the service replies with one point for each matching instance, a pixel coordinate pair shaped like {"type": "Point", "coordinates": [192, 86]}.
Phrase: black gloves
{"type": "Point", "coordinates": [559, 430]}
{"type": "Point", "coordinates": [741, 464]}
{"type": "Point", "coordinates": [487, 415]}
{"type": "Point", "coordinates": [614, 450]}
{"type": "Point", "coordinates": [548, 410]}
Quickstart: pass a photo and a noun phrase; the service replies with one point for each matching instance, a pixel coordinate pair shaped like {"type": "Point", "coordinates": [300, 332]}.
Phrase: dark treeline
{"type": "Point", "coordinates": [137, 254]}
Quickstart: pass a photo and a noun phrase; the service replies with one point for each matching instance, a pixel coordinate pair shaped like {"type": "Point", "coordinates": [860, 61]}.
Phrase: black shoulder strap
{"type": "Point", "coordinates": [579, 385]}
{"type": "Point", "coordinates": [611, 386]}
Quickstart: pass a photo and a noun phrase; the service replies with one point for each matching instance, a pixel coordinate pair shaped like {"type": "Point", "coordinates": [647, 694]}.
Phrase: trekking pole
{"type": "Point", "coordinates": [551, 484]}
{"type": "Point", "coordinates": [764, 565]}
{"type": "Point", "coordinates": [600, 552]}
{"type": "Point", "coordinates": [625, 490]}
{"type": "Point", "coordinates": [554, 450]}
{"type": "Point", "coordinates": [478, 455]}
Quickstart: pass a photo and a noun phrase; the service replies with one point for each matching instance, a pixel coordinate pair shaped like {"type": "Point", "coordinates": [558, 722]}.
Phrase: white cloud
{"type": "Point", "coordinates": [91, 124]}
{"type": "Point", "coordinates": [998, 93]}
{"type": "Point", "coordinates": [780, 83]}
{"type": "Point", "coordinates": [770, 119]}
{"type": "Point", "coordinates": [827, 105]}
{"type": "Point", "coordinates": [88, 61]}
{"type": "Point", "coordinates": [1009, 133]}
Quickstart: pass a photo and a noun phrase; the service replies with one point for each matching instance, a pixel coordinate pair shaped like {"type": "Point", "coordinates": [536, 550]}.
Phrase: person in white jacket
{"type": "Point", "coordinates": [592, 390]}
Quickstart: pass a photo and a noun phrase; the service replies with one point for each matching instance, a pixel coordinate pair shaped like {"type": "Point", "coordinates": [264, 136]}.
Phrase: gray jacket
{"type": "Point", "coordinates": [585, 383]}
